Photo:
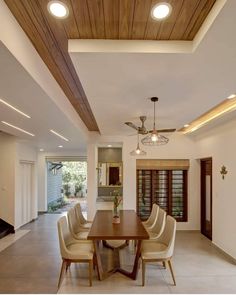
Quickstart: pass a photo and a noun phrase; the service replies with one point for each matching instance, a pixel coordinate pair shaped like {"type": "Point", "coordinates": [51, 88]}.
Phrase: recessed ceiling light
{"type": "Point", "coordinates": [109, 145]}
{"type": "Point", "coordinates": [186, 125]}
{"type": "Point", "coordinates": [41, 150]}
{"type": "Point", "coordinates": [58, 9]}
{"type": "Point", "coordinates": [161, 11]}
{"type": "Point", "coordinates": [17, 128]}
{"type": "Point", "coordinates": [231, 96]}
{"type": "Point", "coordinates": [15, 109]}
{"type": "Point", "coordinates": [59, 135]}
{"type": "Point", "coordinates": [60, 146]}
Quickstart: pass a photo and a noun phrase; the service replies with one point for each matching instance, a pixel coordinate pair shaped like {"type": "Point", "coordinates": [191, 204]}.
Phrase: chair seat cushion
{"type": "Point", "coordinates": [80, 251]}
{"type": "Point", "coordinates": [153, 250]}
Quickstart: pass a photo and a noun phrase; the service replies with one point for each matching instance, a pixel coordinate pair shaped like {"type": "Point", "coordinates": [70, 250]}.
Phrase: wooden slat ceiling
{"type": "Point", "coordinates": [100, 19]}
{"type": "Point", "coordinates": [130, 19]}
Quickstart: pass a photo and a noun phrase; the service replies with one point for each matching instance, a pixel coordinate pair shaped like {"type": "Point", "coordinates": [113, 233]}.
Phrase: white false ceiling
{"type": "Point", "coordinates": [19, 89]}
{"type": "Point", "coordinates": [118, 85]}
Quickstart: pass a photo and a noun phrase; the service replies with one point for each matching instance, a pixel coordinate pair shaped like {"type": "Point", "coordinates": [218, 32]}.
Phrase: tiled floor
{"type": "Point", "coordinates": [32, 263]}
{"type": "Point", "coordinates": [12, 238]}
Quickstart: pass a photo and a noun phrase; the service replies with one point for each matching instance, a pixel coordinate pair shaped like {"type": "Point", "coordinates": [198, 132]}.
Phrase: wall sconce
{"type": "Point", "coordinates": [223, 171]}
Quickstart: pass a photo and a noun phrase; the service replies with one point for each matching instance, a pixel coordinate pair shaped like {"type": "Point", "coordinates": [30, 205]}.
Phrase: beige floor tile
{"type": "Point", "coordinates": [205, 284]}
{"type": "Point", "coordinates": [12, 238]}
{"type": "Point", "coordinates": [117, 283]}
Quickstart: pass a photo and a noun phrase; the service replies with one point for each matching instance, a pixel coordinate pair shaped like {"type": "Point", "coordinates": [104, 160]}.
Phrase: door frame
{"type": "Point", "coordinates": [203, 198]}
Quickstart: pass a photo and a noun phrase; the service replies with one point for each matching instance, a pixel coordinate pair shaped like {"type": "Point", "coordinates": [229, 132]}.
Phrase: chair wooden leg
{"type": "Point", "coordinates": [94, 261]}
{"type": "Point", "coordinates": [68, 263]}
{"type": "Point", "coordinates": [63, 268]}
{"type": "Point", "coordinates": [143, 272]}
{"type": "Point", "coordinates": [164, 264]}
{"type": "Point", "coordinates": [172, 272]}
{"type": "Point", "coordinates": [90, 272]}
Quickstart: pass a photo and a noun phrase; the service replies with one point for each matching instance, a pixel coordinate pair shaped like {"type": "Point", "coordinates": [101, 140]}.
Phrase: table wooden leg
{"type": "Point", "coordinates": [134, 273]}
{"type": "Point", "coordinates": [98, 259]}
{"type": "Point", "coordinates": [101, 273]}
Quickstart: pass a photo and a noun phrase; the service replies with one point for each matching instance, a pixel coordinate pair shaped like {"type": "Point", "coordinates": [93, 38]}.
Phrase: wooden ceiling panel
{"type": "Point", "coordinates": [96, 15]}
{"type": "Point", "coordinates": [126, 14]}
{"type": "Point", "coordinates": [168, 25]}
{"type": "Point", "coordinates": [140, 19]}
{"type": "Point", "coordinates": [81, 15]}
{"type": "Point", "coordinates": [186, 14]}
{"type": "Point", "coordinates": [201, 17]}
{"type": "Point", "coordinates": [152, 27]}
{"type": "Point", "coordinates": [70, 25]}
{"type": "Point", "coordinates": [111, 18]}
{"type": "Point", "coordinates": [130, 19]}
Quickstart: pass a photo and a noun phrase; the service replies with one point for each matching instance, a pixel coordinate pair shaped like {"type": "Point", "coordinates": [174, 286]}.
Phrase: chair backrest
{"type": "Point", "coordinates": [64, 235]}
{"type": "Point", "coordinates": [168, 235]}
{"type": "Point", "coordinates": [72, 220]}
{"type": "Point", "coordinates": [153, 216]}
{"type": "Point", "coordinates": [160, 223]}
{"type": "Point", "coordinates": [79, 214]}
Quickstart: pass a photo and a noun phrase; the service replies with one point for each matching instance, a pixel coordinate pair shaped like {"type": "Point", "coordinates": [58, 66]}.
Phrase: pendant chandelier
{"type": "Point", "coordinates": [154, 138]}
{"type": "Point", "coordinates": [138, 151]}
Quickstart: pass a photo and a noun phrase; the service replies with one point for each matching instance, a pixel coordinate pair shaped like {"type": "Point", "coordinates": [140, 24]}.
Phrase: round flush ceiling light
{"type": "Point", "coordinates": [58, 9]}
{"type": "Point", "coordinates": [161, 11]}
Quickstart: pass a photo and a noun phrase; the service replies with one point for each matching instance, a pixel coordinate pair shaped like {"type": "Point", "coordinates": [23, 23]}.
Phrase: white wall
{"type": "Point", "coordinates": [220, 144]}
{"type": "Point", "coordinates": [42, 173]}
{"type": "Point", "coordinates": [7, 177]}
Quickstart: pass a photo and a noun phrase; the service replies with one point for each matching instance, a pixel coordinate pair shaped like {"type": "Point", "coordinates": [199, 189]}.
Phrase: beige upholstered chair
{"type": "Point", "coordinates": [149, 223]}
{"type": "Point", "coordinates": [158, 227]}
{"type": "Point", "coordinates": [73, 250]}
{"type": "Point", "coordinates": [75, 228]}
{"type": "Point", "coordinates": [160, 249]}
{"type": "Point", "coordinates": [84, 224]}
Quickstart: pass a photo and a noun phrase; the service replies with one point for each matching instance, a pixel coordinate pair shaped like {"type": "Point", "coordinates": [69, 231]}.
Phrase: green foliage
{"type": "Point", "coordinates": [55, 205]}
{"type": "Point", "coordinates": [74, 178]}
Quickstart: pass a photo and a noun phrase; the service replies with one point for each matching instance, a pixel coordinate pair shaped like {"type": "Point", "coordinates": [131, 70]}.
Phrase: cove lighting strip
{"type": "Point", "coordinates": [59, 135]}
{"type": "Point", "coordinates": [222, 108]}
{"type": "Point", "coordinates": [17, 128]}
{"type": "Point", "coordinates": [15, 109]}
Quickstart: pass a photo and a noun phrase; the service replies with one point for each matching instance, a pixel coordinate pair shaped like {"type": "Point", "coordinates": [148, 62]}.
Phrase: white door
{"type": "Point", "coordinates": [26, 191]}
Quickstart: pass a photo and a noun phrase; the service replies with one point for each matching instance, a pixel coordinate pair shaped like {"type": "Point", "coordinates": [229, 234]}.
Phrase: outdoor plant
{"type": "Point", "coordinates": [67, 190]}
{"type": "Point", "coordinates": [74, 178]}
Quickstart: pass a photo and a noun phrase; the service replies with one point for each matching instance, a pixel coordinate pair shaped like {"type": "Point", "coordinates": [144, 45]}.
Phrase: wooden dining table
{"type": "Point", "coordinates": [129, 228]}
